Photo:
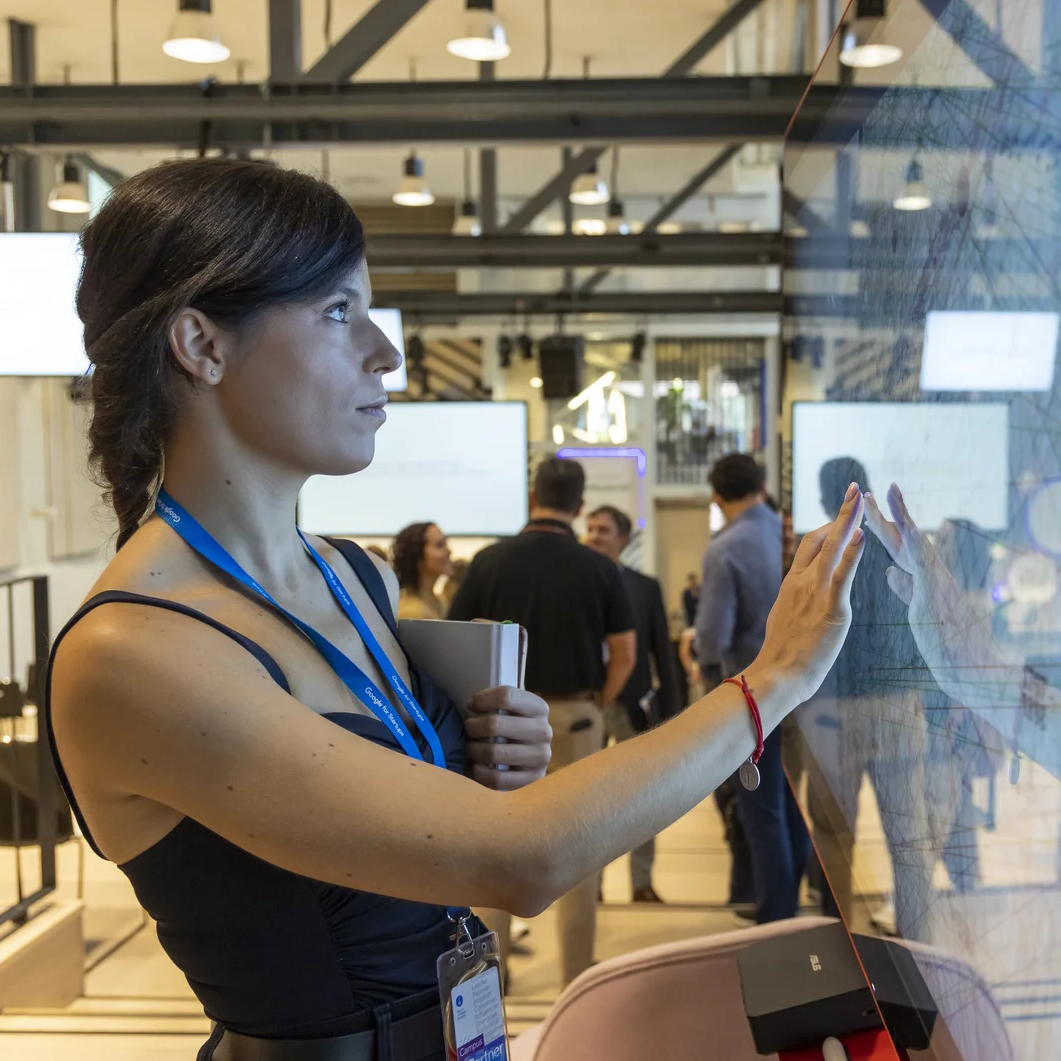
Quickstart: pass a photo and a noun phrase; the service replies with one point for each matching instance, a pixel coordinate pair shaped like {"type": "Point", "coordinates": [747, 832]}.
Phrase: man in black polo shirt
{"type": "Point", "coordinates": [572, 602]}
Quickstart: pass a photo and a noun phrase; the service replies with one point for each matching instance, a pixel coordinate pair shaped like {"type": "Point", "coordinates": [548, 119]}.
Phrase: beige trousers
{"type": "Point", "coordinates": [578, 731]}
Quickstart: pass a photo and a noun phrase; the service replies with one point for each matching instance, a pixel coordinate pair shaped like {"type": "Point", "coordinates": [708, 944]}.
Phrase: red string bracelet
{"type": "Point", "coordinates": [742, 684]}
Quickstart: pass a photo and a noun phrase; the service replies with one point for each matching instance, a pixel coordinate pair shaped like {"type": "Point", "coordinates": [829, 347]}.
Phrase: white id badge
{"type": "Point", "coordinates": [473, 1007]}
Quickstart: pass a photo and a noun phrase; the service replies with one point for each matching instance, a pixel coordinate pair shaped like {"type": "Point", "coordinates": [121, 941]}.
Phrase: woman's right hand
{"type": "Point", "coordinates": [810, 619]}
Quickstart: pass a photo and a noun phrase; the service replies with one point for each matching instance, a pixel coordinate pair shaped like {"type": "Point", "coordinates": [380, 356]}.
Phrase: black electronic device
{"type": "Point", "coordinates": [801, 988]}
{"type": "Point", "coordinates": [560, 363]}
{"type": "Point", "coordinates": [902, 995]}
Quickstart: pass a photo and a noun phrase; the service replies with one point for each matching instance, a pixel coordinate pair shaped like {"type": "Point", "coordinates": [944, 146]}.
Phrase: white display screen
{"type": "Point", "coordinates": [462, 465]}
{"type": "Point", "coordinates": [951, 460]}
{"type": "Point", "coordinates": [40, 333]}
{"type": "Point", "coordinates": [965, 351]}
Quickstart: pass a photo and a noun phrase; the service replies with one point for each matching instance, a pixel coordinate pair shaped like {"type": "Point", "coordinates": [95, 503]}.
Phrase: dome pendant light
{"type": "Point", "coordinates": [915, 195]}
{"type": "Point", "coordinates": [617, 225]}
{"type": "Point", "coordinates": [857, 49]}
{"type": "Point", "coordinates": [194, 36]}
{"type": "Point", "coordinates": [70, 195]}
{"type": "Point", "coordinates": [466, 223]}
{"type": "Point", "coordinates": [860, 53]}
{"type": "Point", "coordinates": [483, 39]}
{"type": "Point", "coordinates": [413, 190]}
{"type": "Point", "coordinates": [589, 188]}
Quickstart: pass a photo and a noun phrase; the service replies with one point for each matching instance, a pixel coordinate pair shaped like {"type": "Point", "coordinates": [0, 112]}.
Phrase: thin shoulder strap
{"type": "Point", "coordinates": [369, 576]}
{"type": "Point", "coordinates": [122, 597]}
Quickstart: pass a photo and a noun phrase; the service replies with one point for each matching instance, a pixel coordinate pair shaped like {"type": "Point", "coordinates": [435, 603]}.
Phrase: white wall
{"type": "Point", "coordinates": [43, 482]}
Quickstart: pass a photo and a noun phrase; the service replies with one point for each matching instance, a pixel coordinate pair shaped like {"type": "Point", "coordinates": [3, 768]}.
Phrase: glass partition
{"type": "Point", "coordinates": [923, 292]}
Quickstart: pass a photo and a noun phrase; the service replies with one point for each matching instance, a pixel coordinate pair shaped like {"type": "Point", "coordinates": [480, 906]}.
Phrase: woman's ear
{"type": "Point", "coordinates": [198, 345]}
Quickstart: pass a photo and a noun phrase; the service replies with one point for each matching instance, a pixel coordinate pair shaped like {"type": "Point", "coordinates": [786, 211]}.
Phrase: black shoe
{"type": "Point", "coordinates": [647, 894]}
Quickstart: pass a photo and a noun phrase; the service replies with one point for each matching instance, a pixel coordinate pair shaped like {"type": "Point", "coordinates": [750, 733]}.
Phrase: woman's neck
{"type": "Point", "coordinates": [247, 505]}
{"type": "Point", "coordinates": [427, 586]}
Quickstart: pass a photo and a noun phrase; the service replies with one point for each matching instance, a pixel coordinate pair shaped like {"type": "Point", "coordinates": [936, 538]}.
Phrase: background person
{"type": "Point", "coordinates": [608, 532]}
{"type": "Point", "coordinates": [741, 579]}
{"type": "Point", "coordinates": [571, 601]}
{"type": "Point", "coordinates": [421, 557]}
{"type": "Point", "coordinates": [691, 598]}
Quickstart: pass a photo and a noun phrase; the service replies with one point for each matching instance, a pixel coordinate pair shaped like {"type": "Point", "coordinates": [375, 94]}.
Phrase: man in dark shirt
{"type": "Point", "coordinates": [573, 605]}
{"type": "Point", "coordinates": [742, 576]}
{"type": "Point", "coordinates": [642, 702]}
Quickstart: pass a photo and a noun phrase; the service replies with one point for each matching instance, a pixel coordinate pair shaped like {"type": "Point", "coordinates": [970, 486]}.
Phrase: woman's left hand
{"type": "Point", "coordinates": [522, 719]}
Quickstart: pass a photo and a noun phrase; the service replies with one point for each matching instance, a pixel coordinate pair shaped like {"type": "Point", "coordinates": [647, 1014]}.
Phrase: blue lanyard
{"type": "Point", "coordinates": [353, 677]}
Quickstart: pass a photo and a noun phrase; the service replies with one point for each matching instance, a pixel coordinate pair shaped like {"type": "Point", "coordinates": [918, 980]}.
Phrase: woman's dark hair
{"type": "Point", "coordinates": [230, 238]}
{"type": "Point", "coordinates": [408, 552]}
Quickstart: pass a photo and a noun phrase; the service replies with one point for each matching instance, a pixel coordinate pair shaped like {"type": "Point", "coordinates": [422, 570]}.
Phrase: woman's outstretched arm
{"type": "Point", "coordinates": [207, 733]}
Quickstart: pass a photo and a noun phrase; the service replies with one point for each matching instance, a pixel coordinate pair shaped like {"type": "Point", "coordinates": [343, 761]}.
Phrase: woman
{"type": "Point", "coordinates": [215, 706]}
{"type": "Point", "coordinates": [421, 558]}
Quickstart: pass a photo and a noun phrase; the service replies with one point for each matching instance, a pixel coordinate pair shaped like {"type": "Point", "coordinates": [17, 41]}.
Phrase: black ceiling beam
{"type": "Point", "coordinates": [673, 205]}
{"type": "Point", "coordinates": [983, 44]}
{"type": "Point", "coordinates": [645, 110]}
{"type": "Point", "coordinates": [724, 25]}
{"type": "Point", "coordinates": [799, 211]}
{"type": "Point", "coordinates": [470, 112]}
{"type": "Point", "coordinates": [429, 306]}
{"type": "Point", "coordinates": [363, 40]}
{"type": "Point", "coordinates": [433, 251]}
{"type": "Point", "coordinates": [285, 41]}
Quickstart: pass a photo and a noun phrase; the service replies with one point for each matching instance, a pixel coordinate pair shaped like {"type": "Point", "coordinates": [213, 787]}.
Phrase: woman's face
{"type": "Point", "coordinates": [436, 560]}
{"type": "Point", "coordinates": [306, 384]}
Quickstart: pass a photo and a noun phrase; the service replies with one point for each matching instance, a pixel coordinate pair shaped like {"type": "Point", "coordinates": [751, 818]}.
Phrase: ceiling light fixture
{"type": "Point", "coordinates": [857, 49]}
{"type": "Point", "coordinates": [413, 190]}
{"type": "Point", "coordinates": [194, 36]}
{"type": "Point", "coordinates": [915, 195]}
{"type": "Point", "coordinates": [589, 226]}
{"type": "Point", "coordinates": [589, 188]}
{"type": "Point", "coordinates": [616, 224]}
{"type": "Point", "coordinates": [483, 39]}
{"type": "Point", "coordinates": [70, 195]}
{"type": "Point", "coordinates": [466, 223]}
{"type": "Point", "coordinates": [537, 382]}
{"type": "Point", "coordinates": [860, 53]}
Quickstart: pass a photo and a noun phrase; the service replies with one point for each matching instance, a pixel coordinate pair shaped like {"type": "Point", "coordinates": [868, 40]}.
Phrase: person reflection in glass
{"type": "Point", "coordinates": [868, 720]}
{"type": "Point", "coordinates": [961, 747]}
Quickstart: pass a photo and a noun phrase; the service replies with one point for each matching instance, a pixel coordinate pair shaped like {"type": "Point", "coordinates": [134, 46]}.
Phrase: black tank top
{"type": "Point", "coordinates": [268, 952]}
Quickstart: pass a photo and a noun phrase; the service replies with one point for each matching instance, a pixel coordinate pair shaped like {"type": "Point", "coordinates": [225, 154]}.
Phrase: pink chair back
{"type": "Point", "coordinates": [683, 1001]}
{"type": "Point", "coordinates": [680, 1000]}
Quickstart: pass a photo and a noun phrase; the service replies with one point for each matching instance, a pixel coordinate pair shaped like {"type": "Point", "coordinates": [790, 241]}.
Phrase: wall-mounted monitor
{"type": "Point", "coordinates": [951, 460]}
{"type": "Point", "coordinates": [40, 333]}
{"type": "Point", "coordinates": [462, 465]}
{"type": "Point", "coordinates": [989, 351]}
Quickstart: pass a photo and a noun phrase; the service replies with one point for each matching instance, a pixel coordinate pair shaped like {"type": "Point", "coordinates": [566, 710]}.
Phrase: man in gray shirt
{"type": "Point", "coordinates": [742, 576]}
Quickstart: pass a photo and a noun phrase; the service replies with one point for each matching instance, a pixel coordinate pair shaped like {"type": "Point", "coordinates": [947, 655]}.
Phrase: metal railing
{"type": "Point", "coordinates": [29, 788]}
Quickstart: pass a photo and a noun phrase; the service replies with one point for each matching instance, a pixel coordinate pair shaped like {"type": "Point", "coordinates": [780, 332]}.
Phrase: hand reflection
{"type": "Point", "coordinates": [953, 637]}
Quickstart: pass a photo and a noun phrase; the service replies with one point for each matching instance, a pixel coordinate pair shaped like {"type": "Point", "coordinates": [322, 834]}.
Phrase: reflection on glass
{"type": "Point", "coordinates": [923, 292]}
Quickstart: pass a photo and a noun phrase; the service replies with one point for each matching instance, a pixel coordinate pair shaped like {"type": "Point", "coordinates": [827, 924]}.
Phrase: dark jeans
{"type": "Point", "coordinates": [776, 835]}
